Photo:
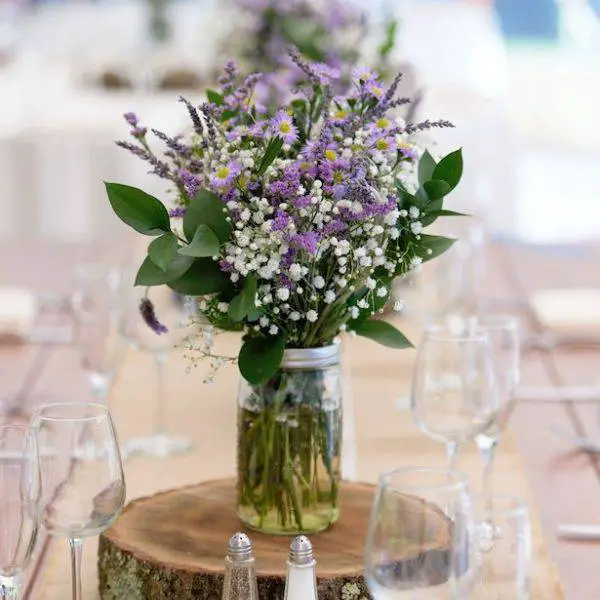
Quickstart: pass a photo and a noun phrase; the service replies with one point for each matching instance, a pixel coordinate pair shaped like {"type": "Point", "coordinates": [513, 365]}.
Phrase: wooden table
{"type": "Point", "coordinates": [565, 487]}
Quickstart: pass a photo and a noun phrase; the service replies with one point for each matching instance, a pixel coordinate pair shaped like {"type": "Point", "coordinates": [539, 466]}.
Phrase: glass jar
{"type": "Point", "coordinates": [289, 445]}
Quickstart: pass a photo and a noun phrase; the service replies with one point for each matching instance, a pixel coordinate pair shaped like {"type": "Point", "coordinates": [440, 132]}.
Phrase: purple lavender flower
{"type": "Point", "coordinates": [283, 126]}
{"type": "Point", "coordinates": [139, 132]}
{"type": "Point", "coordinates": [224, 176]}
{"type": "Point", "coordinates": [131, 118]}
{"type": "Point", "coordinates": [301, 201]}
{"type": "Point", "coordinates": [149, 316]}
{"type": "Point", "coordinates": [177, 213]}
{"type": "Point", "coordinates": [335, 226]}
{"type": "Point", "coordinates": [191, 183]}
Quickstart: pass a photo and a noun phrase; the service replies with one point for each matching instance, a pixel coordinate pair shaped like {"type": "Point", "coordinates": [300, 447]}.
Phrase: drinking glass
{"type": "Point", "coordinates": [94, 308]}
{"type": "Point", "coordinates": [505, 555]}
{"type": "Point", "coordinates": [171, 312]}
{"type": "Point", "coordinates": [454, 396]}
{"type": "Point", "coordinates": [19, 505]}
{"type": "Point", "coordinates": [420, 540]}
{"type": "Point", "coordinates": [503, 334]}
{"type": "Point", "coordinates": [83, 488]}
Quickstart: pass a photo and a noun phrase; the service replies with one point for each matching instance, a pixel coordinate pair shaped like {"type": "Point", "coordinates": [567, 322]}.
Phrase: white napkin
{"type": "Point", "coordinates": [574, 311]}
{"type": "Point", "coordinates": [17, 313]}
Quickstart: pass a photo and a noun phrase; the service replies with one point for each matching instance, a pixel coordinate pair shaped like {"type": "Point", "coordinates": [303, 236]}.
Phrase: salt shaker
{"type": "Point", "coordinates": [240, 574]}
{"type": "Point", "coordinates": [301, 580]}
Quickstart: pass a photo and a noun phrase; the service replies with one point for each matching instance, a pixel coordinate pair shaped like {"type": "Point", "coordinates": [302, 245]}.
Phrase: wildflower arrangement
{"type": "Point", "coordinates": [290, 227]}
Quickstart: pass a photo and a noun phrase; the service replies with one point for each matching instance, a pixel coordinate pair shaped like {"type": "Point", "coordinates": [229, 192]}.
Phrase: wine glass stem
{"type": "Point", "coordinates": [159, 416]}
{"type": "Point", "coordinates": [9, 588]}
{"type": "Point", "coordinates": [76, 545]}
{"type": "Point", "coordinates": [487, 448]}
{"type": "Point", "coordinates": [451, 455]}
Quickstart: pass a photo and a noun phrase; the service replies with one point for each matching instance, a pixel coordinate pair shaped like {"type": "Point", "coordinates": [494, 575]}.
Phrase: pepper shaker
{"type": "Point", "coordinates": [301, 579]}
{"type": "Point", "coordinates": [240, 573]}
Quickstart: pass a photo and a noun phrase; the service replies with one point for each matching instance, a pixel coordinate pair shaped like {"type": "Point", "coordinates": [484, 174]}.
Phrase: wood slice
{"type": "Point", "coordinates": [172, 546]}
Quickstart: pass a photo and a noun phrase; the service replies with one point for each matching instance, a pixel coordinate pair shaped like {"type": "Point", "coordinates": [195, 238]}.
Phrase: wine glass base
{"type": "Point", "coordinates": [157, 446]}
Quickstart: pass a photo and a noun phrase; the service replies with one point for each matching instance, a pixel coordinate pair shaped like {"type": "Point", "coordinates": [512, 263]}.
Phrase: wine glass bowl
{"type": "Point", "coordinates": [454, 396]}
{"type": "Point", "coordinates": [419, 545]}
{"type": "Point", "coordinates": [19, 504]}
{"type": "Point", "coordinates": [82, 481]}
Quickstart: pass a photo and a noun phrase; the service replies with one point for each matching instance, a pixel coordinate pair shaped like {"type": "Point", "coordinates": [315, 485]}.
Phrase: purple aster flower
{"type": "Point", "coordinates": [326, 72]}
{"type": "Point", "coordinates": [191, 182]}
{"type": "Point", "coordinates": [283, 126]}
{"type": "Point", "coordinates": [281, 221]}
{"type": "Point", "coordinates": [363, 76]}
{"type": "Point", "coordinates": [149, 316]}
{"type": "Point", "coordinates": [375, 88]}
{"type": "Point", "coordinates": [224, 176]}
{"type": "Point", "coordinates": [177, 212]}
{"type": "Point", "coordinates": [383, 143]}
{"type": "Point", "coordinates": [131, 118]}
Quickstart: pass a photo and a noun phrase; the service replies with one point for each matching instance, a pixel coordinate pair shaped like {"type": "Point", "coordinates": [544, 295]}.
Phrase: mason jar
{"type": "Point", "coordinates": [289, 445]}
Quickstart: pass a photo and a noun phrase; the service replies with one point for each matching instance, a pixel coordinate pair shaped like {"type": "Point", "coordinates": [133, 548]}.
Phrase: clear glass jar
{"type": "Point", "coordinates": [289, 445]}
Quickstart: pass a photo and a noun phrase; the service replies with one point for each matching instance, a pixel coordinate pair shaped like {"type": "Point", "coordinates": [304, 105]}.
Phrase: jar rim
{"type": "Point", "coordinates": [311, 358]}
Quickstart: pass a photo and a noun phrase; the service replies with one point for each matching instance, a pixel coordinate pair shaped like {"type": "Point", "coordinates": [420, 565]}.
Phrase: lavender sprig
{"type": "Point", "coordinates": [149, 315]}
{"type": "Point", "coordinates": [196, 120]}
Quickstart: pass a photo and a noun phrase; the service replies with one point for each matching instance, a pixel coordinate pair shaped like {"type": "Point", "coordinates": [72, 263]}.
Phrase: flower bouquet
{"type": "Point", "coordinates": [290, 227]}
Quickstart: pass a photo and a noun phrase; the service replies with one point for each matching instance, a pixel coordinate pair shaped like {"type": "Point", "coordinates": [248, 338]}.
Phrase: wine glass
{"type": "Point", "coordinates": [19, 505]}
{"type": "Point", "coordinates": [94, 307]}
{"type": "Point", "coordinates": [420, 540]}
{"type": "Point", "coordinates": [155, 321]}
{"type": "Point", "coordinates": [454, 396]}
{"type": "Point", "coordinates": [83, 488]}
{"type": "Point", "coordinates": [503, 334]}
{"type": "Point", "coordinates": [505, 556]}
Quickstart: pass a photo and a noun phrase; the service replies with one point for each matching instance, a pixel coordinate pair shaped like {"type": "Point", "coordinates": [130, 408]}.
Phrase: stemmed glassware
{"type": "Point", "coordinates": [95, 310]}
{"type": "Point", "coordinates": [155, 321]}
{"type": "Point", "coordinates": [82, 483]}
{"type": "Point", "coordinates": [454, 396]}
{"type": "Point", "coordinates": [420, 540]}
{"type": "Point", "coordinates": [504, 336]}
{"type": "Point", "coordinates": [19, 505]}
{"type": "Point", "coordinates": [505, 558]}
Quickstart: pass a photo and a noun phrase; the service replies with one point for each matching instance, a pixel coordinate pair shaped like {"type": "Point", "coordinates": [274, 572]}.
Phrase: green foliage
{"type": "Point", "coordinates": [382, 332]}
{"type": "Point", "coordinates": [271, 153]}
{"type": "Point", "coordinates": [151, 274]}
{"type": "Point", "coordinates": [206, 208]}
{"type": "Point", "coordinates": [203, 244]}
{"type": "Point", "coordinates": [437, 244]}
{"type": "Point", "coordinates": [260, 358]}
{"type": "Point", "coordinates": [139, 210]}
{"type": "Point", "coordinates": [245, 302]}
{"type": "Point", "coordinates": [390, 39]}
{"type": "Point", "coordinates": [214, 97]}
{"type": "Point", "coordinates": [450, 168]}
{"type": "Point", "coordinates": [202, 278]}
{"type": "Point", "coordinates": [163, 250]}
{"type": "Point", "coordinates": [427, 165]}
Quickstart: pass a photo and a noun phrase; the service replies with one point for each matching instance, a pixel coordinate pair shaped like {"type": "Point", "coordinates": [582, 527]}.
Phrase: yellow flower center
{"type": "Point", "coordinates": [330, 155]}
{"type": "Point", "coordinates": [223, 173]}
{"type": "Point", "coordinates": [383, 144]}
{"type": "Point", "coordinates": [285, 127]}
{"type": "Point", "coordinates": [341, 114]}
{"type": "Point", "coordinates": [383, 123]}
{"type": "Point", "coordinates": [338, 177]}
{"type": "Point", "coordinates": [377, 91]}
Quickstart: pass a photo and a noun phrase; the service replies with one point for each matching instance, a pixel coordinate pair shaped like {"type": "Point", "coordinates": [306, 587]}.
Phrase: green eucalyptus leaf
{"type": "Point", "coordinates": [214, 97]}
{"type": "Point", "coordinates": [245, 302]}
{"type": "Point", "coordinates": [452, 213]}
{"type": "Point", "coordinates": [141, 211]}
{"type": "Point", "coordinates": [271, 153]}
{"type": "Point", "coordinates": [431, 246]}
{"type": "Point", "coordinates": [382, 332]}
{"type": "Point", "coordinates": [431, 212]}
{"type": "Point", "coordinates": [260, 358]}
{"type": "Point", "coordinates": [436, 189]}
{"type": "Point", "coordinates": [389, 39]}
{"type": "Point", "coordinates": [204, 244]}
{"type": "Point", "coordinates": [206, 208]}
{"type": "Point", "coordinates": [163, 250]}
{"type": "Point", "coordinates": [427, 165]}
{"type": "Point", "coordinates": [202, 278]}
{"type": "Point", "coordinates": [450, 168]}
{"type": "Point", "coordinates": [151, 274]}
